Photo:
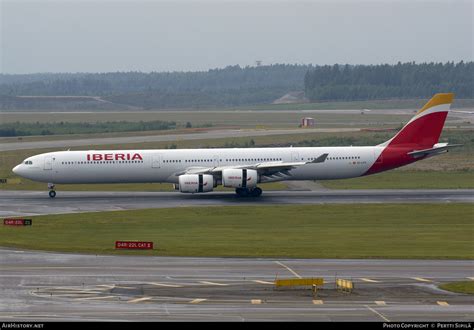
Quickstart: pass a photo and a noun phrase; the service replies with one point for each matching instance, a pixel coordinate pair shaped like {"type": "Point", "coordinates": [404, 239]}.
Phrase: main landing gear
{"type": "Point", "coordinates": [245, 192]}
{"type": "Point", "coordinates": [52, 192]}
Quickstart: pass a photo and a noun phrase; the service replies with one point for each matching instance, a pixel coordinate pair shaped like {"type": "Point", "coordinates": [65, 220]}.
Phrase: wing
{"type": "Point", "coordinates": [264, 169]}
{"type": "Point", "coordinates": [278, 168]}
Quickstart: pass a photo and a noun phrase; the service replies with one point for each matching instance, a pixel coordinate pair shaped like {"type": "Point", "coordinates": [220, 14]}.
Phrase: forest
{"type": "Point", "coordinates": [403, 80]}
{"type": "Point", "coordinates": [234, 86]}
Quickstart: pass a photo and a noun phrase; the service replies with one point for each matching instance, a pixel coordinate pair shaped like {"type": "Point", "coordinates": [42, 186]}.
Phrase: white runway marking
{"type": "Point", "coordinates": [380, 303]}
{"type": "Point", "coordinates": [421, 279]}
{"type": "Point", "coordinates": [369, 280]}
{"type": "Point", "coordinates": [263, 282]}
{"type": "Point", "coordinates": [379, 314]}
{"type": "Point", "coordinates": [139, 299]}
{"type": "Point", "coordinates": [96, 298]}
{"type": "Point", "coordinates": [197, 301]}
{"type": "Point", "coordinates": [289, 269]}
{"type": "Point", "coordinates": [213, 283]}
{"type": "Point", "coordinates": [166, 285]}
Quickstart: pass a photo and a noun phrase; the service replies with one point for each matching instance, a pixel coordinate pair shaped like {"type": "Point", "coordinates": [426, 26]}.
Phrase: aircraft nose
{"type": "Point", "coordinates": [16, 169]}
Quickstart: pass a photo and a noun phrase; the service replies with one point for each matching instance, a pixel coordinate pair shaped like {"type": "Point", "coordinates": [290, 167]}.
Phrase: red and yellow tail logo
{"type": "Point", "coordinates": [424, 129]}
{"type": "Point", "coordinates": [421, 132]}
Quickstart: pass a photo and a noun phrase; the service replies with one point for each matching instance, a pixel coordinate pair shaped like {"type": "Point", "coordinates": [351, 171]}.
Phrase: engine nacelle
{"type": "Point", "coordinates": [239, 178]}
{"type": "Point", "coordinates": [196, 183]}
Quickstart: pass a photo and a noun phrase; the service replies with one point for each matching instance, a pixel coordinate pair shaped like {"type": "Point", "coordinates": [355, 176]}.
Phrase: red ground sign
{"type": "Point", "coordinates": [17, 222]}
{"type": "Point", "coordinates": [134, 245]}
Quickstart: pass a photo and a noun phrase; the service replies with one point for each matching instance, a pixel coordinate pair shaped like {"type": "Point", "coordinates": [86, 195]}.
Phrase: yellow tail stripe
{"type": "Point", "coordinates": [437, 99]}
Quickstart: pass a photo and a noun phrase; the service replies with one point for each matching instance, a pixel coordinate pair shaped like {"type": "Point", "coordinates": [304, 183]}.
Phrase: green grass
{"type": "Point", "coordinates": [101, 135]}
{"type": "Point", "coordinates": [327, 105]}
{"type": "Point", "coordinates": [52, 128]}
{"type": "Point", "coordinates": [459, 287]}
{"type": "Point", "coordinates": [371, 104]}
{"type": "Point", "coordinates": [400, 179]}
{"type": "Point", "coordinates": [430, 231]}
{"type": "Point", "coordinates": [245, 119]}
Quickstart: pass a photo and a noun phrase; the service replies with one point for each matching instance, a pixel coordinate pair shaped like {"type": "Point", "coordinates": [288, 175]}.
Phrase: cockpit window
{"type": "Point", "coordinates": [28, 162]}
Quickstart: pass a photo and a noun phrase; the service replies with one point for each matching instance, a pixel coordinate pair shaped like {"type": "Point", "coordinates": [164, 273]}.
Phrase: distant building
{"type": "Point", "coordinates": [307, 122]}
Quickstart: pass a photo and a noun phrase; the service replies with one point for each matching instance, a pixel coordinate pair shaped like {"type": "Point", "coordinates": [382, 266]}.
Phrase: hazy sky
{"type": "Point", "coordinates": [183, 35]}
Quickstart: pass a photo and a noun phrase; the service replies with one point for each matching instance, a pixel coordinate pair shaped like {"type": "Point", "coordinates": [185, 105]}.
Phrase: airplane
{"type": "Point", "coordinates": [201, 170]}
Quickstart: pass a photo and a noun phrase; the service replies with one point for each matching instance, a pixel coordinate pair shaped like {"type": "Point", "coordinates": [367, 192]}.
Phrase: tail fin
{"type": "Point", "coordinates": [424, 129]}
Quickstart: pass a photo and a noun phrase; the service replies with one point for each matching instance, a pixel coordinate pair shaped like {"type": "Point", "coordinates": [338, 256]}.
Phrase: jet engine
{"type": "Point", "coordinates": [196, 183]}
{"type": "Point", "coordinates": [239, 178]}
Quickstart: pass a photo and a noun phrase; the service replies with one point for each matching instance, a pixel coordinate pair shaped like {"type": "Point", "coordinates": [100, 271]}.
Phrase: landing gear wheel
{"type": "Point", "coordinates": [242, 192]}
{"type": "Point", "coordinates": [51, 187]}
{"type": "Point", "coordinates": [256, 192]}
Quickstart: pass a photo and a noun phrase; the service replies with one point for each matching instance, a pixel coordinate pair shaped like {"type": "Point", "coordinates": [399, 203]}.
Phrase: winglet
{"type": "Point", "coordinates": [320, 159]}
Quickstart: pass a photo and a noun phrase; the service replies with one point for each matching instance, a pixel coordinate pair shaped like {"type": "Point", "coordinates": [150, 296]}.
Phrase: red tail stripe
{"type": "Point", "coordinates": [422, 132]}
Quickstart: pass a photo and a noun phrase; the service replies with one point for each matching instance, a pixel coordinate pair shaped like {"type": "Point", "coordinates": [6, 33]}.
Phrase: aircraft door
{"type": "Point", "coordinates": [216, 161]}
{"type": "Point", "coordinates": [48, 163]}
{"type": "Point", "coordinates": [156, 161]}
{"type": "Point", "coordinates": [295, 157]}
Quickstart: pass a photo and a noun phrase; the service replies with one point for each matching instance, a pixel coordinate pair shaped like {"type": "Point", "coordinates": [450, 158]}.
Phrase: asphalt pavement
{"type": "Point", "coordinates": [38, 203]}
{"type": "Point", "coordinates": [41, 286]}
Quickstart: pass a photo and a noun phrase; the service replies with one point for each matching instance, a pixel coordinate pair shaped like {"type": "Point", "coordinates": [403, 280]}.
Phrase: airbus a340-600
{"type": "Point", "coordinates": [201, 170]}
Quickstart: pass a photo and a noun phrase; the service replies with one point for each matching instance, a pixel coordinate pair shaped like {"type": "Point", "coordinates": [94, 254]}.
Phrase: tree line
{"type": "Point", "coordinates": [230, 86]}
{"type": "Point", "coordinates": [236, 86]}
{"type": "Point", "coordinates": [286, 76]}
{"type": "Point", "coordinates": [403, 80]}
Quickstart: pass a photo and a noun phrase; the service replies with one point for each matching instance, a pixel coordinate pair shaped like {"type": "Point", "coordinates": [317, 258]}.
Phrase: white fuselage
{"type": "Point", "coordinates": [129, 166]}
{"type": "Point", "coordinates": [199, 170]}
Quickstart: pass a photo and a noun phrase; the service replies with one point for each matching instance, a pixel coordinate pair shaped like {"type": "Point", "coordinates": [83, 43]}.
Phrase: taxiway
{"type": "Point", "coordinates": [14, 203]}
{"type": "Point", "coordinates": [40, 286]}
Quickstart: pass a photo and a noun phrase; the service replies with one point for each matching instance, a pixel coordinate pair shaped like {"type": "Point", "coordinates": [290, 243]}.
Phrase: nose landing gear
{"type": "Point", "coordinates": [52, 192]}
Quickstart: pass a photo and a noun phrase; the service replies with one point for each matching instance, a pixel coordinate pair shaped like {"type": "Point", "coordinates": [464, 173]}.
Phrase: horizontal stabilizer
{"type": "Point", "coordinates": [437, 149]}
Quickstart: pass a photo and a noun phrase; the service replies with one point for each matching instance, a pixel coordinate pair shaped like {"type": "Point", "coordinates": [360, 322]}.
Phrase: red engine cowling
{"type": "Point", "coordinates": [196, 183]}
{"type": "Point", "coordinates": [239, 178]}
